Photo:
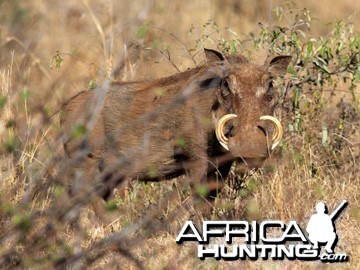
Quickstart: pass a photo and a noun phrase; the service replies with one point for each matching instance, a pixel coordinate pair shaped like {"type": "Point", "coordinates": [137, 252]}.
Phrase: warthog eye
{"type": "Point", "coordinates": [270, 93]}
{"type": "Point", "coordinates": [225, 91]}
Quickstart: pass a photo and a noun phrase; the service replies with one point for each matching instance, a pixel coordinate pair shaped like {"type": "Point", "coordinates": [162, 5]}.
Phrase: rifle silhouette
{"type": "Point", "coordinates": [338, 209]}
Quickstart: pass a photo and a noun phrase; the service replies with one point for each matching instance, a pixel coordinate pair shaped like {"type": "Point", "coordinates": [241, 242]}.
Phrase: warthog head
{"type": "Point", "coordinates": [242, 112]}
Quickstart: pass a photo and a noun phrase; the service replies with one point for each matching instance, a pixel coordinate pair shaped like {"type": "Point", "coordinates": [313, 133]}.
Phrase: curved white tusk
{"type": "Point", "coordinates": [219, 130]}
{"type": "Point", "coordinates": [278, 131]}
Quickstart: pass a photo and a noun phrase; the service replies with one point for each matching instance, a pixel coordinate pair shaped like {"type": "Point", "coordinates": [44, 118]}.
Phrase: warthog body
{"type": "Point", "coordinates": [196, 123]}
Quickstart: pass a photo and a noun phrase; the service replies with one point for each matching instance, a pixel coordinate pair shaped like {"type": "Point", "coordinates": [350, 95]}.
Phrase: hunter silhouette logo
{"type": "Point", "coordinates": [321, 226]}
{"type": "Point", "coordinates": [269, 239]}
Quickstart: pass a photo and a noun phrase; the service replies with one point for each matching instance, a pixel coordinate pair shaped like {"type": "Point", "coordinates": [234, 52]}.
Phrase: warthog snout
{"type": "Point", "coordinates": [274, 140]}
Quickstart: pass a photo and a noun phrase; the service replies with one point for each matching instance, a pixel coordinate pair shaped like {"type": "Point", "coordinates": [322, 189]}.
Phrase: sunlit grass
{"type": "Point", "coordinates": [318, 159]}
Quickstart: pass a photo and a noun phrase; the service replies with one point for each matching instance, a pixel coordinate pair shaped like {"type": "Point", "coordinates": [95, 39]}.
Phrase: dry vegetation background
{"type": "Point", "coordinates": [51, 50]}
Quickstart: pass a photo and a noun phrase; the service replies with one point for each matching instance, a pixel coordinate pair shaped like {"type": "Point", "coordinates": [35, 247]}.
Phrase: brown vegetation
{"type": "Point", "coordinates": [53, 50]}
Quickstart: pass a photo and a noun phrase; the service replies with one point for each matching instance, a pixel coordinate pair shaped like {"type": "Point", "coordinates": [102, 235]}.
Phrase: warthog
{"type": "Point", "coordinates": [196, 122]}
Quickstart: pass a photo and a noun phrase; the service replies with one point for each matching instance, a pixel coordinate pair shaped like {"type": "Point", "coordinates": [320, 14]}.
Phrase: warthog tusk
{"type": "Point", "coordinates": [278, 131]}
{"type": "Point", "coordinates": [219, 130]}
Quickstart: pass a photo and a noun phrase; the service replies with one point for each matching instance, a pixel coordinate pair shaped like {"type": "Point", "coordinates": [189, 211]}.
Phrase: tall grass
{"type": "Point", "coordinates": [51, 51]}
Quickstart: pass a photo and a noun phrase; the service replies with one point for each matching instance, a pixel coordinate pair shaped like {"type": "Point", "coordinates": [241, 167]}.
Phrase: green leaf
{"type": "Point", "coordinates": [318, 61]}
{"type": "Point", "coordinates": [58, 190]}
{"type": "Point", "coordinates": [22, 222]}
{"type": "Point", "coordinates": [56, 61]}
{"type": "Point", "coordinates": [25, 94]}
{"type": "Point", "coordinates": [356, 77]}
{"type": "Point", "coordinates": [243, 193]}
{"type": "Point", "coordinates": [92, 84]}
{"type": "Point", "coordinates": [8, 208]}
{"type": "Point", "coordinates": [141, 31]}
{"type": "Point", "coordinates": [202, 190]}
{"type": "Point", "coordinates": [309, 49]}
{"type": "Point", "coordinates": [78, 131]}
{"type": "Point", "coordinates": [232, 31]}
{"type": "Point", "coordinates": [181, 143]}
{"type": "Point", "coordinates": [47, 110]}
{"type": "Point", "coordinates": [159, 91]}
{"type": "Point", "coordinates": [2, 101]}
{"type": "Point", "coordinates": [251, 183]}
{"type": "Point", "coordinates": [11, 143]}
{"type": "Point", "coordinates": [292, 71]}
{"type": "Point", "coordinates": [301, 33]}
{"type": "Point", "coordinates": [152, 171]}
{"type": "Point", "coordinates": [111, 205]}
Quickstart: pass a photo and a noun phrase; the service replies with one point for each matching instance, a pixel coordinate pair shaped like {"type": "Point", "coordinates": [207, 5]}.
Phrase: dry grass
{"type": "Point", "coordinates": [93, 37]}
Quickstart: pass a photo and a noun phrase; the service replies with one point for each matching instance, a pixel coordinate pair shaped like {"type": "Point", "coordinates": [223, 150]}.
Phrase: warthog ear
{"type": "Point", "coordinates": [279, 64]}
{"type": "Point", "coordinates": [213, 55]}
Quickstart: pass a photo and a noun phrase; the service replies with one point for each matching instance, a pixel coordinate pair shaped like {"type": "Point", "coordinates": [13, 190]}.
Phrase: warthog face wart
{"type": "Point", "coordinates": [196, 123]}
